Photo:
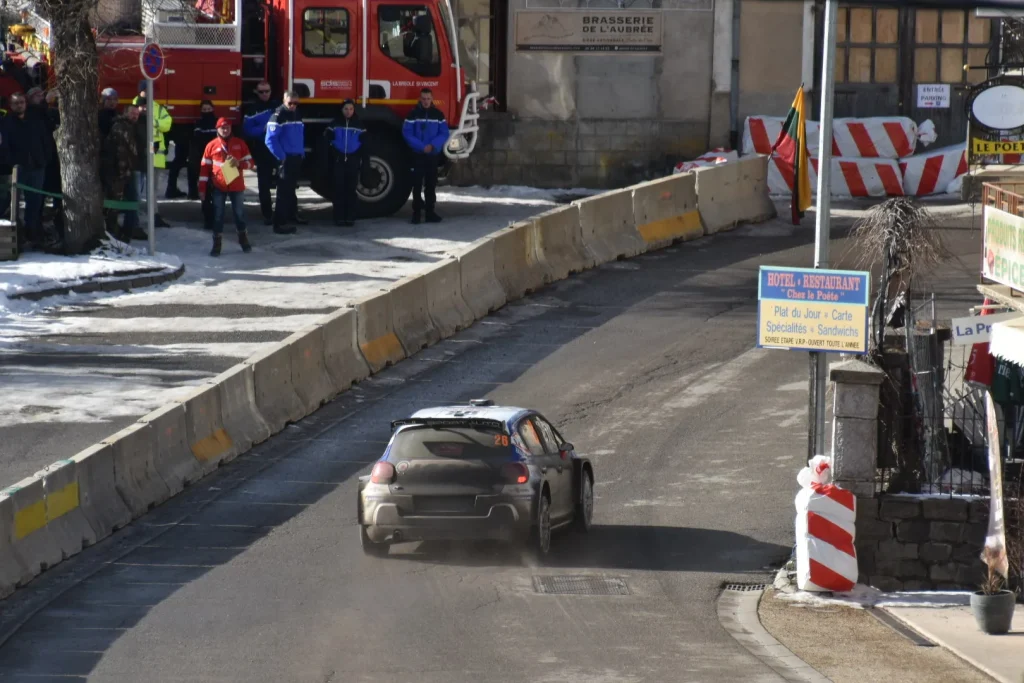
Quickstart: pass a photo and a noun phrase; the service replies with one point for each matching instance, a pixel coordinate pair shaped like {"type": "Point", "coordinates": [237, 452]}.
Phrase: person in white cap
{"type": "Point", "coordinates": [108, 111]}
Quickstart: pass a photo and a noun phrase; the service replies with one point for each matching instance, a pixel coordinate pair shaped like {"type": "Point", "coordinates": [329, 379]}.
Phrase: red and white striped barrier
{"type": "Point", "coordinates": [716, 156]}
{"type": "Point", "coordinates": [761, 132]}
{"type": "Point", "coordinates": [933, 172]}
{"type": "Point", "coordinates": [826, 516]}
{"type": "Point", "coordinates": [850, 177]}
{"type": "Point", "coordinates": [888, 137]}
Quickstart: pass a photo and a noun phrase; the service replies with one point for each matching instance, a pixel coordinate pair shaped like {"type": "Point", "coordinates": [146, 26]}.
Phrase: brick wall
{"type": "Point", "coordinates": [565, 154]}
{"type": "Point", "coordinates": [906, 543]}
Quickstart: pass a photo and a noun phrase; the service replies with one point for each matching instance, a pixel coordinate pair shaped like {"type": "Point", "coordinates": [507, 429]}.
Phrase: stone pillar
{"type": "Point", "coordinates": [855, 425]}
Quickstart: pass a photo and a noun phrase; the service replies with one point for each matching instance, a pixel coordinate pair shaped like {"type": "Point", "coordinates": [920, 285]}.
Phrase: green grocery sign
{"type": "Point", "coordinates": [1003, 255]}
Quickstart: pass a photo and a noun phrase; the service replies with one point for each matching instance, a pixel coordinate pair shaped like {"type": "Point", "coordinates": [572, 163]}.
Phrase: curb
{"type": "Point", "coordinates": [123, 282]}
{"type": "Point", "coordinates": [737, 612]}
{"type": "Point", "coordinates": [949, 648]}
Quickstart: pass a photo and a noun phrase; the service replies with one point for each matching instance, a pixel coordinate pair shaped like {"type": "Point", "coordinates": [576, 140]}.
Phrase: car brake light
{"type": "Point", "coordinates": [383, 473]}
{"type": "Point", "coordinates": [516, 473]}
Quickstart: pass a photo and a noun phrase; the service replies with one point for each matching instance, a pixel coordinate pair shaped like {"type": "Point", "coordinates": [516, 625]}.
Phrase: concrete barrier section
{"type": "Point", "coordinates": [240, 416]}
{"type": "Point", "coordinates": [276, 398]}
{"type": "Point", "coordinates": [208, 440]}
{"type": "Point", "coordinates": [98, 499]}
{"type": "Point", "coordinates": [375, 332]}
{"type": "Point", "coordinates": [448, 310]}
{"type": "Point", "coordinates": [753, 202]}
{"type": "Point", "coordinates": [609, 230]}
{"type": "Point", "coordinates": [68, 527]}
{"type": "Point", "coordinates": [716, 191]}
{"type": "Point", "coordinates": [480, 287]}
{"type": "Point", "coordinates": [174, 460]}
{"type": "Point", "coordinates": [561, 242]}
{"type": "Point", "coordinates": [12, 570]}
{"type": "Point", "coordinates": [343, 361]}
{"type": "Point", "coordinates": [665, 210]}
{"type": "Point", "coordinates": [309, 374]}
{"type": "Point", "coordinates": [515, 262]}
{"type": "Point", "coordinates": [409, 315]}
{"type": "Point", "coordinates": [140, 484]}
{"type": "Point", "coordinates": [32, 541]}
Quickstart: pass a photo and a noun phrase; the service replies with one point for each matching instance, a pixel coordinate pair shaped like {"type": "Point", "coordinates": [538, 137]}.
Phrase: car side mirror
{"type": "Point", "coordinates": [566, 446]}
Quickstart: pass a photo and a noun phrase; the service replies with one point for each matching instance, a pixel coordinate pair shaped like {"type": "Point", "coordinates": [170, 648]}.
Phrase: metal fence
{"type": "Point", "coordinates": [933, 422]}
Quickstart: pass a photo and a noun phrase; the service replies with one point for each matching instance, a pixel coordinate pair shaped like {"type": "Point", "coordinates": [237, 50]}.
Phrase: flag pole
{"type": "Point", "coordinates": [819, 362]}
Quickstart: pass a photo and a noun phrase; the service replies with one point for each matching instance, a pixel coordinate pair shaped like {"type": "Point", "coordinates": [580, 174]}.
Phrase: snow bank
{"type": "Point", "coordinates": [34, 271]}
{"type": "Point", "coordinates": [862, 597]}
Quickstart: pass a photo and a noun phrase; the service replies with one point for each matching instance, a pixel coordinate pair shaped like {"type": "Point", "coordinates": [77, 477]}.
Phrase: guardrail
{"type": "Point", "coordinates": [77, 502]}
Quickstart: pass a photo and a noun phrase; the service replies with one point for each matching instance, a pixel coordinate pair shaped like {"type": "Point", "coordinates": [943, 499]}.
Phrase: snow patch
{"type": "Point", "coordinates": [862, 597]}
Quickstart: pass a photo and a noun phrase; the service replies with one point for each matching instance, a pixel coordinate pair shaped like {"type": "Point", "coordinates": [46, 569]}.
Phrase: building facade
{"type": "Point", "coordinates": [569, 115]}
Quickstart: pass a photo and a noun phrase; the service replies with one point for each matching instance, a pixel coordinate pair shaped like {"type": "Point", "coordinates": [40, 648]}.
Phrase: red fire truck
{"type": "Point", "coordinates": [378, 52]}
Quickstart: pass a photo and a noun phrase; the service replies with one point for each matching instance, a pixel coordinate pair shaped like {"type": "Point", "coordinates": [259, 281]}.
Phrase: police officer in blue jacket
{"type": "Point", "coordinates": [426, 133]}
{"type": "Point", "coordinates": [286, 140]}
{"type": "Point", "coordinates": [346, 134]}
{"type": "Point", "coordinates": [254, 130]}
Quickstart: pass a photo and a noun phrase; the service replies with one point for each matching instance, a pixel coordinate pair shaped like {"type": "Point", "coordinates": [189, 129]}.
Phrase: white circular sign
{"type": "Point", "coordinates": [1000, 107]}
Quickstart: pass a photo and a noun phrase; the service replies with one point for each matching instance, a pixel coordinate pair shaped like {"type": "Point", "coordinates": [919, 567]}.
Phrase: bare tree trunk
{"type": "Point", "coordinates": [76, 68]}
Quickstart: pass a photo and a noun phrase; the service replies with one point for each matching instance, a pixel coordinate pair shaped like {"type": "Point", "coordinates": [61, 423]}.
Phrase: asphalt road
{"type": "Point", "coordinates": [648, 366]}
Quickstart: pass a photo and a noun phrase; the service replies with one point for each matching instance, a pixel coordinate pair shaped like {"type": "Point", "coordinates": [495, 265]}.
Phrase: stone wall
{"type": "Point", "coordinates": [908, 543]}
{"type": "Point", "coordinates": [565, 154]}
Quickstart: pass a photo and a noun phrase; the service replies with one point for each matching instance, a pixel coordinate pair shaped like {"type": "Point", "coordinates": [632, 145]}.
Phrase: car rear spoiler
{"type": "Point", "coordinates": [450, 422]}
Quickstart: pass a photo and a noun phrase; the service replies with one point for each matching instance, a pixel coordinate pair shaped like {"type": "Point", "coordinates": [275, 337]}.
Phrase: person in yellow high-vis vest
{"type": "Point", "coordinates": [162, 122]}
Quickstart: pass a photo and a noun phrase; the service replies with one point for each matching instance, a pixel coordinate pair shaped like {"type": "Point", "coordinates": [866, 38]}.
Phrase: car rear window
{"type": "Point", "coordinates": [469, 443]}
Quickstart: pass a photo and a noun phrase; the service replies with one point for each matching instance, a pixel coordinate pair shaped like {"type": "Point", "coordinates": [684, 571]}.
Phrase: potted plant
{"type": "Point", "coordinates": [993, 605]}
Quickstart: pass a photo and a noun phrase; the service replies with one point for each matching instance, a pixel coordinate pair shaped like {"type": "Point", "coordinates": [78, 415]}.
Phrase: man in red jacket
{"type": "Point", "coordinates": [225, 158]}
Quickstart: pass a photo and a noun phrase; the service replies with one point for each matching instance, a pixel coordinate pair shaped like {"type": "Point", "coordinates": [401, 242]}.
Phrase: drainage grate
{"type": "Point", "coordinates": [579, 585]}
{"type": "Point", "coordinates": [745, 587]}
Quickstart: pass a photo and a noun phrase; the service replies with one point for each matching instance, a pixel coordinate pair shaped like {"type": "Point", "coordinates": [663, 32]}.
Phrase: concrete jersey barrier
{"type": "Point", "coordinates": [75, 503]}
{"type": "Point", "coordinates": [608, 226]}
{"type": "Point", "coordinates": [733, 193]}
{"type": "Point", "coordinates": [375, 332]}
{"type": "Point", "coordinates": [481, 289]}
{"type": "Point", "coordinates": [665, 210]}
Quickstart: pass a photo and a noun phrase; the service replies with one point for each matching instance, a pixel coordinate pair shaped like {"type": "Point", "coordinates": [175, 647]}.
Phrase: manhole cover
{"type": "Point", "coordinates": [579, 585]}
{"type": "Point", "coordinates": [745, 587]}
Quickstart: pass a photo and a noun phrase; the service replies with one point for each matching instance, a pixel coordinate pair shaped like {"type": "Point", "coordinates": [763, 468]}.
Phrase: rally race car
{"type": "Point", "coordinates": [476, 471]}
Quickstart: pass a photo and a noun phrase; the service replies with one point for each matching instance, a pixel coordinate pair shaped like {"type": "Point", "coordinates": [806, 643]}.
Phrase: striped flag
{"type": "Point", "coordinates": [791, 147]}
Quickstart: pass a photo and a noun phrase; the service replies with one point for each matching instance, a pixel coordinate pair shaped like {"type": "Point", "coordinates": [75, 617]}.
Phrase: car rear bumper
{"type": "Point", "coordinates": [494, 517]}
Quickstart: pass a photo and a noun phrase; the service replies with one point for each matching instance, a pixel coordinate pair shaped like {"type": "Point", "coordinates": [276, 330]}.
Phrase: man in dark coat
{"type": "Point", "coordinates": [119, 161]}
{"type": "Point", "coordinates": [28, 140]}
{"type": "Point", "coordinates": [108, 111]}
{"type": "Point", "coordinates": [254, 130]}
{"type": "Point", "coordinates": [203, 133]}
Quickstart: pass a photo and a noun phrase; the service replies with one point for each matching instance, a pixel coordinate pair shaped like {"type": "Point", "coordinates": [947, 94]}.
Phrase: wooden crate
{"type": "Point", "coordinates": [8, 241]}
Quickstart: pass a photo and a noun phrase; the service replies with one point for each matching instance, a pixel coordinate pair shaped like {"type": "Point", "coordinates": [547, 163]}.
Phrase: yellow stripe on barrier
{"type": "Point", "coordinates": [62, 502]}
{"type": "Point", "coordinates": [27, 520]}
{"type": "Point", "coordinates": [685, 227]}
{"type": "Point", "coordinates": [212, 446]}
{"type": "Point", "coordinates": [378, 352]}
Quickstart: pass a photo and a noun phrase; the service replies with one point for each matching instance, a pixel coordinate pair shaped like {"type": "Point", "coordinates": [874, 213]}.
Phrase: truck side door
{"type": "Point", "coordinates": [327, 59]}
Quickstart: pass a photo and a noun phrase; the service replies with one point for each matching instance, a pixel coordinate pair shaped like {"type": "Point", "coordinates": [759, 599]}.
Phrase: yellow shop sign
{"type": "Point", "coordinates": [998, 147]}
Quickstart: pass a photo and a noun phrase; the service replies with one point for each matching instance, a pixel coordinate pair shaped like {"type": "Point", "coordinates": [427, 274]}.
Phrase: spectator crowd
{"type": "Point", "coordinates": [272, 142]}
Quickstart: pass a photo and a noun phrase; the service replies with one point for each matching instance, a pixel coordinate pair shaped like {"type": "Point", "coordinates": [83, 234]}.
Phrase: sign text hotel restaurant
{"type": "Point", "coordinates": [589, 31]}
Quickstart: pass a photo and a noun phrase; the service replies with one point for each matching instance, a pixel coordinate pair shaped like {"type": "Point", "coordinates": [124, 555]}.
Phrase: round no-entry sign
{"type": "Point", "coordinates": [151, 61]}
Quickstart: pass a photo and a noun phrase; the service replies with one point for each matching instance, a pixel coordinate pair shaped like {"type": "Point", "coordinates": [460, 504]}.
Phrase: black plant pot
{"type": "Point", "coordinates": [994, 613]}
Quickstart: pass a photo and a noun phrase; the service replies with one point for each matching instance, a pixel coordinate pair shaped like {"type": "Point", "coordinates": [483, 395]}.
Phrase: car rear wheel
{"type": "Point", "coordinates": [371, 548]}
{"type": "Point", "coordinates": [584, 515]}
{"type": "Point", "coordinates": [541, 536]}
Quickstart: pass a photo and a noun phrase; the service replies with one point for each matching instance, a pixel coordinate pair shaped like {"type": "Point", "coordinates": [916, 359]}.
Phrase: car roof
{"type": "Point", "coordinates": [507, 414]}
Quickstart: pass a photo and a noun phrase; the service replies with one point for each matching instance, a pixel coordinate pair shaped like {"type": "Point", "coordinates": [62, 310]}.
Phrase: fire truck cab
{"type": "Point", "coordinates": [380, 53]}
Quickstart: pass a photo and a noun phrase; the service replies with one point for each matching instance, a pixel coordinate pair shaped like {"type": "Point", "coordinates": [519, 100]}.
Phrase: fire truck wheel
{"type": "Point", "coordinates": [390, 177]}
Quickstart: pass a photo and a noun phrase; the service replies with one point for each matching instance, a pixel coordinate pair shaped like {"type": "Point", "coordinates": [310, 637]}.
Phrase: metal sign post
{"type": "Point", "coordinates": [819, 360]}
{"type": "Point", "coordinates": [151, 61]}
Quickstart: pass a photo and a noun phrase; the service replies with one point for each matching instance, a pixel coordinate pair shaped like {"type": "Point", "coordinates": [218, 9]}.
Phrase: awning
{"type": "Point", "coordinates": [1008, 340]}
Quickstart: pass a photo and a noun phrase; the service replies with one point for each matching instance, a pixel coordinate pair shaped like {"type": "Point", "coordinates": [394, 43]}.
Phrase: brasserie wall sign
{"type": "Point", "coordinates": [587, 31]}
